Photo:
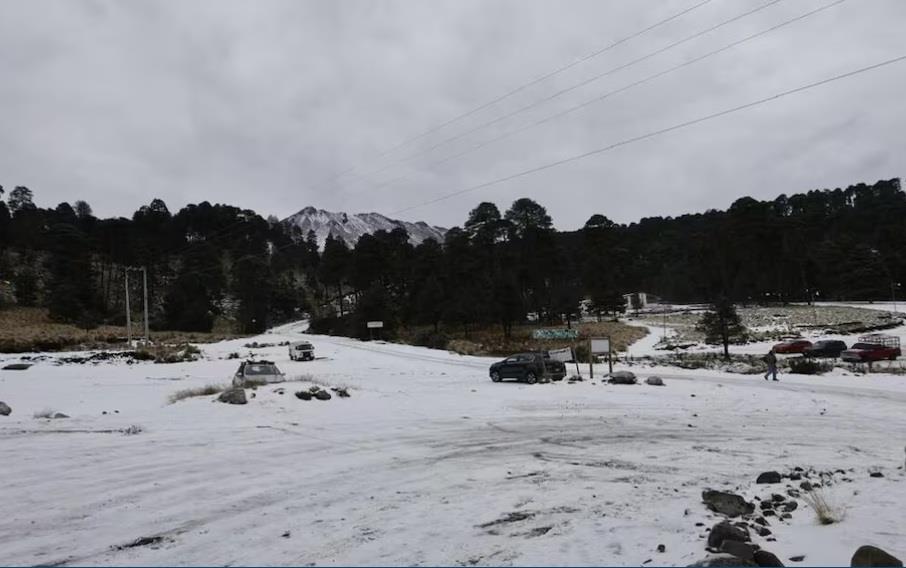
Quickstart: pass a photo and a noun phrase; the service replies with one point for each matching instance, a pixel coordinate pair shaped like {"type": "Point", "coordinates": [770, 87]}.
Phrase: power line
{"type": "Point", "coordinates": [654, 133]}
{"type": "Point", "coordinates": [601, 97]}
{"type": "Point", "coordinates": [516, 90]}
{"type": "Point", "coordinates": [577, 86]}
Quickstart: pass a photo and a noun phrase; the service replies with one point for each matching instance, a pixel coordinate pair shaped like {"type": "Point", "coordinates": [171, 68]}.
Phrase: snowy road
{"type": "Point", "coordinates": [428, 463]}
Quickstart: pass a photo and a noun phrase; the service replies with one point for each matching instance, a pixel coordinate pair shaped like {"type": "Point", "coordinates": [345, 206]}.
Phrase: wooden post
{"type": "Point", "coordinates": [610, 354]}
{"type": "Point", "coordinates": [576, 359]}
{"type": "Point", "coordinates": [591, 359]}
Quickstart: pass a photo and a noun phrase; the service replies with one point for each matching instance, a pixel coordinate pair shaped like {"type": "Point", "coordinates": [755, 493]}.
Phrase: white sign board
{"type": "Point", "coordinates": [600, 346]}
{"type": "Point", "coordinates": [564, 355]}
{"type": "Point", "coordinates": [375, 324]}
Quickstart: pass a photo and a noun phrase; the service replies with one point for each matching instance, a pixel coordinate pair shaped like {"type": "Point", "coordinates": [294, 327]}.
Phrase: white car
{"type": "Point", "coordinates": [301, 351]}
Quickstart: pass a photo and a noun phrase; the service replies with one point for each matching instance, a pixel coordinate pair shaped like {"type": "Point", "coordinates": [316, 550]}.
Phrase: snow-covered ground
{"type": "Point", "coordinates": [426, 463]}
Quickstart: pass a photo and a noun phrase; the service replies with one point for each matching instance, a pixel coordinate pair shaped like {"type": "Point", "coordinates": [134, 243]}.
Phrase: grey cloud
{"type": "Point", "coordinates": [260, 104]}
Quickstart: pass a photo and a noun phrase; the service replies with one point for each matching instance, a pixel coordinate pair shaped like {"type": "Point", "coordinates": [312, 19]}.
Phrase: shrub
{"type": "Point", "coordinates": [432, 339]}
{"type": "Point", "coordinates": [808, 367]}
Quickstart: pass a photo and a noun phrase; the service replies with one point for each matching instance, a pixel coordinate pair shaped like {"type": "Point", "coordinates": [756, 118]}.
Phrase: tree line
{"type": "Point", "coordinates": [208, 263]}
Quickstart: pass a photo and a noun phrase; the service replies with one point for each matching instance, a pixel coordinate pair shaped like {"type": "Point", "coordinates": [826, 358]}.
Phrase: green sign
{"type": "Point", "coordinates": [555, 333]}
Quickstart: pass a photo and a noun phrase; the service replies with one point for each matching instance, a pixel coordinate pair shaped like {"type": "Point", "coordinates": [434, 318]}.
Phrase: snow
{"type": "Point", "coordinates": [351, 227]}
{"type": "Point", "coordinates": [425, 452]}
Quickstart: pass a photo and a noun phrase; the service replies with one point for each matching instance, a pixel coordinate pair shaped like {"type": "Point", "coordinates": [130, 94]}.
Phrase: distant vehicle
{"type": "Point", "coordinates": [528, 367]}
{"type": "Point", "coordinates": [825, 348]}
{"type": "Point", "coordinates": [874, 347]}
{"type": "Point", "coordinates": [792, 346]}
{"type": "Point", "coordinates": [301, 351]}
{"type": "Point", "coordinates": [257, 372]}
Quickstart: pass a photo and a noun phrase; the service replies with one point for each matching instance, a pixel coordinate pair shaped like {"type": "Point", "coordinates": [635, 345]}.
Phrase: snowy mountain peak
{"type": "Point", "coordinates": [351, 227]}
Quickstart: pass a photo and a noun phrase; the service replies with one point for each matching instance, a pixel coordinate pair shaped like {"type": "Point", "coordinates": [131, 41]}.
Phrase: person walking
{"type": "Point", "coordinates": [771, 360]}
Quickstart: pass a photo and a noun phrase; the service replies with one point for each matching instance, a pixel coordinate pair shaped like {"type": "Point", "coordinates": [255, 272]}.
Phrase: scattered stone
{"type": "Point", "coordinates": [342, 393]}
{"type": "Point", "coordinates": [765, 505]}
{"type": "Point", "coordinates": [303, 395]}
{"type": "Point", "coordinates": [738, 549]}
{"type": "Point", "coordinates": [763, 531]}
{"type": "Point", "coordinates": [723, 560]}
{"type": "Point", "coordinates": [322, 395]}
{"type": "Point", "coordinates": [17, 367]}
{"type": "Point", "coordinates": [874, 556]}
{"type": "Point", "coordinates": [728, 504]}
{"type": "Point", "coordinates": [876, 474]}
{"type": "Point", "coordinates": [790, 506]}
{"type": "Point", "coordinates": [724, 531]}
{"type": "Point", "coordinates": [235, 395]}
{"type": "Point", "coordinates": [768, 513]}
{"type": "Point", "coordinates": [777, 498]}
{"type": "Point", "coordinates": [5, 410]}
{"type": "Point", "coordinates": [798, 558]}
{"type": "Point", "coordinates": [59, 415]}
{"type": "Point", "coordinates": [286, 534]}
{"type": "Point", "coordinates": [314, 389]}
{"type": "Point", "coordinates": [765, 558]}
{"type": "Point", "coordinates": [622, 378]}
{"type": "Point", "coordinates": [786, 516]}
{"type": "Point", "coordinates": [769, 477]}
{"type": "Point", "coordinates": [762, 521]}
{"type": "Point", "coordinates": [699, 524]}
{"type": "Point", "coordinates": [654, 381]}
{"type": "Point", "coordinates": [794, 493]}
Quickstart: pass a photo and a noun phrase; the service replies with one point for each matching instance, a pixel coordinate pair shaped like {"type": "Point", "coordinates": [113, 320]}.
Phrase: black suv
{"type": "Point", "coordinates": [825, 348]}
{"type": "Point", "coordinates": [528, 367]}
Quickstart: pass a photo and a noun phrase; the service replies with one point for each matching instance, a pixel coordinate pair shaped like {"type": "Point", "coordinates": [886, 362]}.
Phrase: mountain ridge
{"type": "Point", "coordinates": [351, 227]}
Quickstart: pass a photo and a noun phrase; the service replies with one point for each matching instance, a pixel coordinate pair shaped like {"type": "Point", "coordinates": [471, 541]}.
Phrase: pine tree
{"type": "Point", "coordinates": [721, 323]}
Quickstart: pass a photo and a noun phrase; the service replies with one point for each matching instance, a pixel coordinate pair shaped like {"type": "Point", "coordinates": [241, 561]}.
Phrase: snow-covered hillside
{"type": "Point", "coordinates": [351, 227]}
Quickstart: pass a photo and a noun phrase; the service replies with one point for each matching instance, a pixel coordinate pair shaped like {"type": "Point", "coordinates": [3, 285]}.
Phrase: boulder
{"type": "Point", "coordinates": [5, 410]}
{"type": "Point", "coordinates": [235, 395]}
{"type": "Point", "coordinates": [738, 549]}
{"type": "Point", "coordinates": [728, 504]}
{"type": "Point", "coordinates": [322, 395]}
{"type": "Point", "coordinates": [765, 558]}
{"type": "Point", "coordinates": [762, 531]}
{"type": "Point", "coordinates": [622, 378]}
{"type": "Point", "coordinates": [876, 474]}
{"type": "Point", "coordinates": [723, 560]}
{"type": "Point", "coordinates": [790, 506]}
{"type": "Point", "coordinates": [874, 556]}
{"type": "Point", "coordinates": [59, 415]}
{"type": "Point", "coordinates": [724, 531]}
{"type": "Point", "coordinates": [342, 393]}
{"type": "Point", "coordinates": [769, 477]}
{"type": "Point", "coordinates": [654, 381]}
{"type": "Point", "coordinates": [303, 395]}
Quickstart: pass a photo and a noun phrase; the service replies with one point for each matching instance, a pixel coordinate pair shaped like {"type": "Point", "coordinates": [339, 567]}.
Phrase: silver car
{"type": "Point", "coordinates": [257, 372]}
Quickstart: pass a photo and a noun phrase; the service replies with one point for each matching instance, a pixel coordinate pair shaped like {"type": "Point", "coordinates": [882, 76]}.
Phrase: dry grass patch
{"type": "Point", "coordinates": [206, 390]}
{"type": "Point", "coordinates": [826, 512]}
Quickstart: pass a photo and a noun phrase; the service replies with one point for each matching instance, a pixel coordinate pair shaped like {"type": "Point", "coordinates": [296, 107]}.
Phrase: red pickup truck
{"type": "Point", "coordinates": [875, 347]}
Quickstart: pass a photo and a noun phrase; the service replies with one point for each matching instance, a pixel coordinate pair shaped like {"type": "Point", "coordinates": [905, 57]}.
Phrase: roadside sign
{"type": "Point", "coordinates": [600, 346]}
{"type": "Point", "coordinates": [555, 334]}
{"type": "Point", "coordinates": [375, 324]}
{"type": "Point", "coordinates": [564, 355]}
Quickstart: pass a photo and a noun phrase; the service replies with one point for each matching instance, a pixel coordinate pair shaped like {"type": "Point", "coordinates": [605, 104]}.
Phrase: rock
{"type": "Point", "coordinates": [763, 531]}
{"type": "Point", "coordinates": [303, 395]}
{"type": "Point", "coordinates": [727, 504]}
{"type": "Point", "coordinates": [60, 415]}
{"type": "Point", "coordinates": [765, 558]}
{"type": "Point", "coordinates": [805, 486]}
{"type": "Point", "coordinates": [768, 513]}
{"type": "Point", "coordinates": [5, 410]}
{"type": "Point", "coordinates": [314, 389]}
{"type": "Point", "coordinates": [765, 505]}
{"type": "Point", "coordinates": [790, 506]}
{"type": "Point", "coordinates": [724, 531]}
{"type": "Point", "coordinates": [738, 549]}
{"type": "Point", "coordinates": [235, 395]}
{"type": "Point", "coordinates": [874, 556]}
{"type": "Point", "coordinates": [723, 560]}
{"type": "Point", "coordinates": [798, 558]}
{"type": "Point", "coordinates": [769, 477]}
{"type": "Point", "coordinates": [622, 378]}
{"type": "Point", "coordinates": [777, 498]}
{"type": "Point", "coordinates": [795, 476]}
{"type": "Point", "coordinates": [322, 395]}
{"type": "Point", "coordinates": [342, 393]}
{"type": "Point", "coordinates": [762, 521]}
{"type": "Point", "coordinates": [654, 381]}
{"type": "Point", "coordinates": [661, 548]}
{"type": "Point", "coordinates": [876, 474]}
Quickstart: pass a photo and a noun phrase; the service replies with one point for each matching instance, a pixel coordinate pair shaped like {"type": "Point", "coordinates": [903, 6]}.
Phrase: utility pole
{"type": "Point", "coordinates": [128, 314]}
{"type": "Point", "coordinates": [893, 294]}
{"type": "Point", "coordinates": [145, 284]}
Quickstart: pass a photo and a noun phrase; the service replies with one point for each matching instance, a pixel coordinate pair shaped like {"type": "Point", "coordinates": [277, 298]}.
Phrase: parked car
{"type": "Point", "coordinates": [301, 351]}
{"type": "Point", "coordinates": [825, 348]}
{"type": "Point", "coordinates": [528, 367]}
{"type": "Point", "coordinates": [792, 346]}
{"type": "Point", "coordinates": [873, 347]}
{"type": "Point", "coordinates": [257, 372]}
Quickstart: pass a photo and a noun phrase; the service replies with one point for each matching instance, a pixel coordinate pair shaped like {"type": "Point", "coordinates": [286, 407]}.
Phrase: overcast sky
{"type": "Point", "coordinates": [261, 104]}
